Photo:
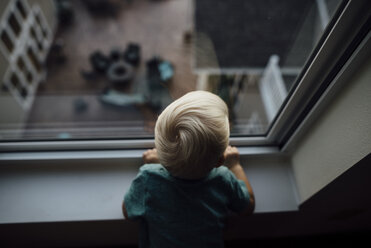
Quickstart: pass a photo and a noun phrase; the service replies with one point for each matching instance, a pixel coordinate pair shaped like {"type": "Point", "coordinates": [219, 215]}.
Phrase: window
{"type": "Point", "coordinates": [7, 41]}
{"type": "Point", "coordinates": [21, 8]}
{"type": "Point", "coordinates": [114, 66]}
{"type": "Point", "coordinates": [14, 24]}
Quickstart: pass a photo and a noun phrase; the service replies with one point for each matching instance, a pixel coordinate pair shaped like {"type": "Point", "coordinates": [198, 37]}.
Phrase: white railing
{"type": "Point", "coordinates": [272, 88]}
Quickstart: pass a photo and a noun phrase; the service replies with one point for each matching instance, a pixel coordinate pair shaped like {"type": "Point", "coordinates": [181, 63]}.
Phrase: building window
{"type": "Point", "coordinates": [21, 8]}
{"type": "Point", "coordinates": [7, 42]}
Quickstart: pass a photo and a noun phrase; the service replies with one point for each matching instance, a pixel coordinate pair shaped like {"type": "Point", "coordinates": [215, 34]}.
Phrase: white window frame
{"type": "Point", "coordinates": [327, 55]}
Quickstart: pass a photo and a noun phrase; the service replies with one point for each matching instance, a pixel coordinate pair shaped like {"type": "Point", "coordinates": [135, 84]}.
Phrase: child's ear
{"type": "Point", "coordinates": [220, 161]}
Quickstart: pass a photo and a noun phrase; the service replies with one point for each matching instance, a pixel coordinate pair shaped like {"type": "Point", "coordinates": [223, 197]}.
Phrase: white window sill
{"type": "Point", "coordinates": [89, 185]}
{"type": "Point", "coordinates": [108, 154]}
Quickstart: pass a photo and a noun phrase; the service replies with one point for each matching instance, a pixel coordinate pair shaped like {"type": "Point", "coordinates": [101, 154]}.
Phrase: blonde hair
{"type": "Point", "coordinates": [191, 134]}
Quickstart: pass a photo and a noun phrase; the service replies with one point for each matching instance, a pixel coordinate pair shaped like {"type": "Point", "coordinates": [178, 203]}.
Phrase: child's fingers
{"type": "Point", "coordinates": [231, 149]}
{"type": "Point", "coordinates": [150, 150]}
{"type": "Point", "coordinates": [234, 149]}
{"type": "Point", "coordinates": [226, 151]}
{"type": "Point", "coordinates": [147, 153]}
{"type": "Point", "coordinates": [150, 156]}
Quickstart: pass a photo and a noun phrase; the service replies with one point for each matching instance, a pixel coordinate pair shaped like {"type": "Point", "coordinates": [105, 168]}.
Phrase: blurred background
{"type": "Point", "coordinates": [98, 69]}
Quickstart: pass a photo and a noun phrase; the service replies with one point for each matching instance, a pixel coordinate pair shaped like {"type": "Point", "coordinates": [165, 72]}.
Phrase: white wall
{"type": "Point", "coordinates": [338, 139]}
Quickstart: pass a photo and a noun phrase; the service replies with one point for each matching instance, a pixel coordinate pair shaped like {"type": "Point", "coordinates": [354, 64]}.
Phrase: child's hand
{"type": "Point", "coordinates": [150, 156]}
{"type": "Point", "coordinates": [231, 157]}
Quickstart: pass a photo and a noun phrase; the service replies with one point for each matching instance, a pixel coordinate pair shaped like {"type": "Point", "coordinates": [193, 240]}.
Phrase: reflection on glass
{"type": "Point", "coordinates": [111, 67]}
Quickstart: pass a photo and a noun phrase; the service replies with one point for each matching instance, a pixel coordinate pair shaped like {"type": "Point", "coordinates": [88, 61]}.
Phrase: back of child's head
{"type": "Point", "coordinates": [191, 134]}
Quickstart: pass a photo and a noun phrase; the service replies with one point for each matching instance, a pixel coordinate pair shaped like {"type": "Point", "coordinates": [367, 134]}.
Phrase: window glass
{"type": "Point", "coordinates": [113, 66]}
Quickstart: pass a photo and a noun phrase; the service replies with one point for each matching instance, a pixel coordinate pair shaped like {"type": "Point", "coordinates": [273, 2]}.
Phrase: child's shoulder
{"type": "Point", "coordinates": [152, 169]}
{"type": "Point", "coordinates": [220, 173]}
{"type": "Point", "coordinates": [150, 173]}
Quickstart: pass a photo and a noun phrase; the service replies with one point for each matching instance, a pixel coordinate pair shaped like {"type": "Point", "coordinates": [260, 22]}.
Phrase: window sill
{"type": "Point", "coordinates": [89, 186]}
{"type": "Point", "coordinates": [108, 154]}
